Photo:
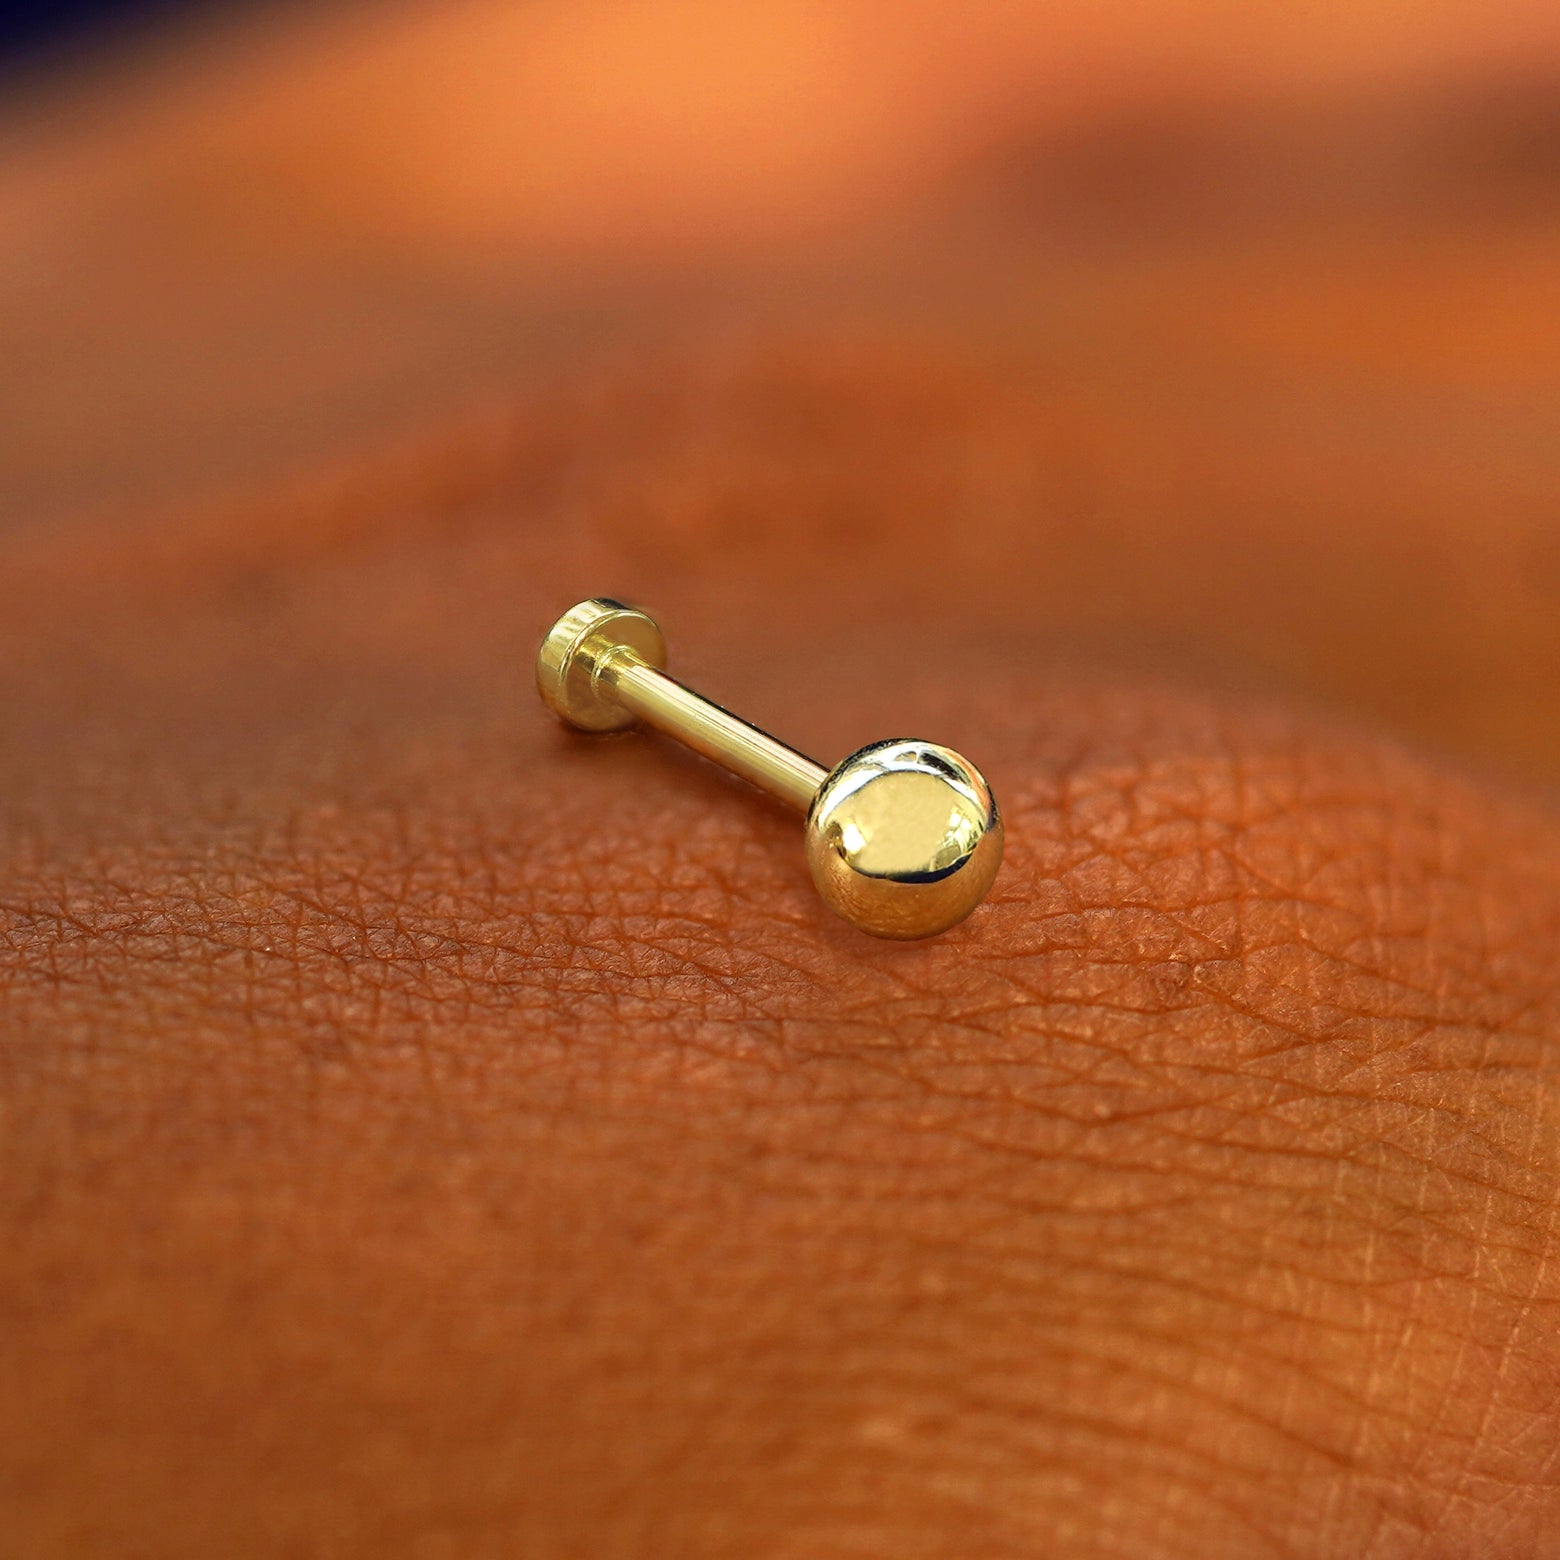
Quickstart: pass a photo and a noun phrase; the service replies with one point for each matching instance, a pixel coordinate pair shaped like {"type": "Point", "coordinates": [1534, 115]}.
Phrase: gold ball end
{"type": "Point", "coordinates": [904, 838]}
{"type": "Point", "coordinates": [567, 663]}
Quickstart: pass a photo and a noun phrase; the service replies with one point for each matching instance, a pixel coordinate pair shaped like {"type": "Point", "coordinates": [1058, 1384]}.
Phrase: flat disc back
{"type": "Point", "coordinates": [567, 663]}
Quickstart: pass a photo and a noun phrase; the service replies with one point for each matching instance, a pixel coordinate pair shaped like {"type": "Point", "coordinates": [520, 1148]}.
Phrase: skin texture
{"type": "Point", "coordinates": [426, 1132]}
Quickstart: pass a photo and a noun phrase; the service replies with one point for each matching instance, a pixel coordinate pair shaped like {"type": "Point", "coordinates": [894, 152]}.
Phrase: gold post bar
{"type": "Point", "coordinates": [664, 703]}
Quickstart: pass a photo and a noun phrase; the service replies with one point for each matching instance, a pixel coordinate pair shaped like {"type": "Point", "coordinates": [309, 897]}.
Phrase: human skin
{"type": "Point", "coordinates": [427, 1132]}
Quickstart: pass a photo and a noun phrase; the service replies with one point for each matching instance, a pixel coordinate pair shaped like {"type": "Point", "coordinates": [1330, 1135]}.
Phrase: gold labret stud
{"type": "Point", "coordinates": [903, 837]}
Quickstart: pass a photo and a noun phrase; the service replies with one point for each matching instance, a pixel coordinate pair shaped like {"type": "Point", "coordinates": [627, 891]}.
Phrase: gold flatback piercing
{"type": "Point", "coordinates": [903, 837]}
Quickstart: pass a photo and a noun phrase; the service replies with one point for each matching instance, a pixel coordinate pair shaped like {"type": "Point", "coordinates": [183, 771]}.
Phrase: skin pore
{"type": "Point", "coordinates": [426, 1132]}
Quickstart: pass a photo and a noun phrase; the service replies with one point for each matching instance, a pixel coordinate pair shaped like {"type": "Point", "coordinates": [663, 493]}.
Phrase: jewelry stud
{"type": "Point", "coordinates": [903, 837]}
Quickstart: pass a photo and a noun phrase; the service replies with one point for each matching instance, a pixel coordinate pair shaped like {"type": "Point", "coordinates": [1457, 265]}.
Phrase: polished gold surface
{"type": "Point", "coordinates": [570, 660]}
{"type": "Point", "coordinates": [664, 703]}
{"type": "Point", "coordinates": [903, 838]}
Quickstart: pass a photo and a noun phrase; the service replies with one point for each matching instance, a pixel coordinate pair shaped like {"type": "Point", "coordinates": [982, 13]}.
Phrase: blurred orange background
{"type": "Point", "coordinates": [1270, 289]}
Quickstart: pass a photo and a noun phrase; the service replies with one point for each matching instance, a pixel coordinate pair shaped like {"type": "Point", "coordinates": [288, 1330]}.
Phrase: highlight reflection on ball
{"type": "Point", "coordinates": [904, 838]}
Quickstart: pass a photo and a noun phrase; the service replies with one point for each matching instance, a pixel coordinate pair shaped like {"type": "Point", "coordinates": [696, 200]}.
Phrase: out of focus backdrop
{"type": "Point", "coordinates": [28, 31]}
{"type": "Point", "coordinates": [1246, 310]}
